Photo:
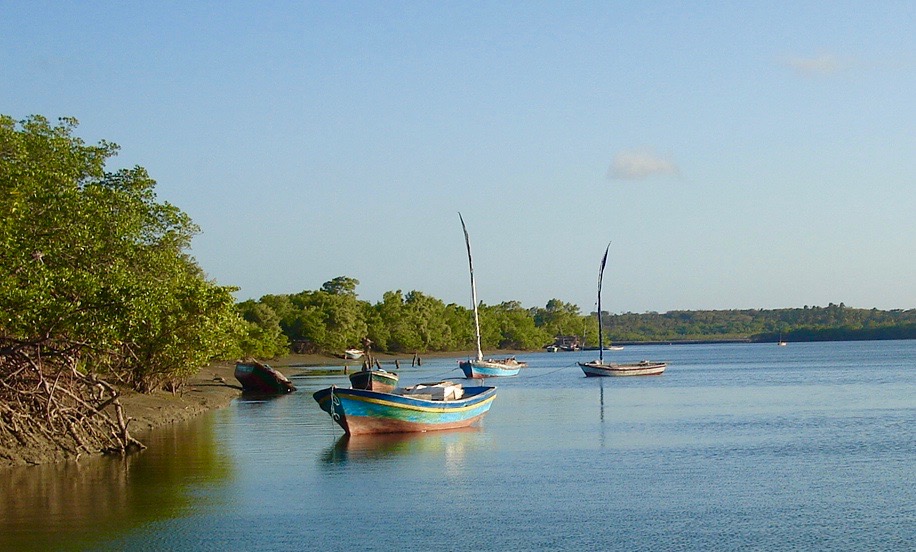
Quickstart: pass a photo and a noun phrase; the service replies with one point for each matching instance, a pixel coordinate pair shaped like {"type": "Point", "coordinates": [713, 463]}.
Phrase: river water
{"type": "Point", "coordinates": [737, 446]}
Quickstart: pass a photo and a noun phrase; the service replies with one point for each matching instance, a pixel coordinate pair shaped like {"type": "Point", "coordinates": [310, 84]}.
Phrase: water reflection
{"type": "Point", "coordinates": [373, 448]}
{"type": "Point", "coordinates": [69, 505]}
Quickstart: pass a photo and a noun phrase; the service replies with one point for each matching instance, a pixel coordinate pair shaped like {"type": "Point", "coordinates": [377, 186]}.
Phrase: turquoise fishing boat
{"type": "Point", "coordinates": [423, 407]}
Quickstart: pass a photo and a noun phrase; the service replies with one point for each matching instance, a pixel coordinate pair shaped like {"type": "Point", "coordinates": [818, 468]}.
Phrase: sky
{"type": "Point", "coordinates": [735, 155]}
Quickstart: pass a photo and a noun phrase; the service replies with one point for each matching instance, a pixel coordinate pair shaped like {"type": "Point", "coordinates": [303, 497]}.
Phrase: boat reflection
{"type": "Point", "coordinates": [376, 447]}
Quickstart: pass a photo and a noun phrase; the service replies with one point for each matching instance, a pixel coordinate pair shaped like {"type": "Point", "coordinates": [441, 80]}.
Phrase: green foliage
{"type": "Point", "coordinates": [92, 259]}
{"type": "Point", "coordinates": [416, 322]}
{"type": "Point", "coordinates": [260, 335]}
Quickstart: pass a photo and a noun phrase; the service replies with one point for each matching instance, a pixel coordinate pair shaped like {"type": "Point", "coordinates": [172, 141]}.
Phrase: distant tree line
{"type": "Point", "coordinates": [830, 323]}
{"type": "Point", "coordinates": [333, 318]}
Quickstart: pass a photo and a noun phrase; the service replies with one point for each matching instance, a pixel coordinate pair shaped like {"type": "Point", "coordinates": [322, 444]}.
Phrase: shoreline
{"type": "Point", "coordinates": [212, 388]}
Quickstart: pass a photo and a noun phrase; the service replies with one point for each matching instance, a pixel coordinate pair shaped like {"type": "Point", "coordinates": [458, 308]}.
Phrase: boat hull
{"type": "Point", "coordinates": [598, 369]}
{"type": "Point", "coordinates": [262, 379]}
{"type": "Point", "coordinates": [485, 369]}
{"type": "Point", "coordinates": [374, 380]}
{"type": "Point", "coordinates": [361, 412]}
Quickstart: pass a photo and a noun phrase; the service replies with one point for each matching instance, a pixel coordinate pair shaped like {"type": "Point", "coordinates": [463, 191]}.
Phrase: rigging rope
{"type": "Point", "coordinates": [574, 364]}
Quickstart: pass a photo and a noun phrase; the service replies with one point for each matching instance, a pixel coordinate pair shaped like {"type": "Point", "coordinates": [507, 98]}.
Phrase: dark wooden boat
{"type": "Point", "coordinates": [642, 368]}
{"type": "Point", "coordinates": [601, 368]}
{"type": "Point", "coordinates": [257, 377]}
{"type": "Point", "coordinates": [374, 380]}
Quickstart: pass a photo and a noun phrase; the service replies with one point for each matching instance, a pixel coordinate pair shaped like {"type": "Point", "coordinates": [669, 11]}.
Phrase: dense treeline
{"type": "Point", "coordinates": [97, 291]}
{"type": "Point", "coordinates": [333, 318]}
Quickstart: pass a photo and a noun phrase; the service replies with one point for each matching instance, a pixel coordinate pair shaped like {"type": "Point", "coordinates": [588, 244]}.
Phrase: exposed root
{"type": "Point", "coordinates": [47, 401]}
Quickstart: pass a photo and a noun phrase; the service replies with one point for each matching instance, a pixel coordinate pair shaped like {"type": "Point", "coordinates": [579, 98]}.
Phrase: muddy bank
{"type": "Point", "coordinates": [213, 387]}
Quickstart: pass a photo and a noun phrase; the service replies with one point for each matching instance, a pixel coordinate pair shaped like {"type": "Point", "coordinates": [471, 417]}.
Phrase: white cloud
{"type": "Point", "coordinates": [823, 64]}
{"type": "Point", "coordinates": [639, 164]}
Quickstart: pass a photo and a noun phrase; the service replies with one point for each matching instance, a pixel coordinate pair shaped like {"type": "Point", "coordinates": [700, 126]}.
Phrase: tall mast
{"type": "Point", "coordinates": [467, 241]}
{"type": "Point", "coordinates": [600, 332]}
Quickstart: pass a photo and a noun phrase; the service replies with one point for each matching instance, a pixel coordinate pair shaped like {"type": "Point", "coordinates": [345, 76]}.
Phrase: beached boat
{"type": "Point", "coordinates": [257, 377]}
{"type": "Point", "coordinates": [601, 368]}
{"type": "Point", "coordinates": [353, 354]}
{"type": "Point", "coordinates": [374, 380]}
{"type": "Point", "coordinates": [478, 367]}
{"type": "Point", "coordinates": [422, 407]}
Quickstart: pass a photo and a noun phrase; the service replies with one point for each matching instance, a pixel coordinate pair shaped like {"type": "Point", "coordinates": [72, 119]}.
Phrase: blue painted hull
{"type": "Point", "coordinates": [361, 412]}
{"type": "Point", "coordinates": [484, 369]}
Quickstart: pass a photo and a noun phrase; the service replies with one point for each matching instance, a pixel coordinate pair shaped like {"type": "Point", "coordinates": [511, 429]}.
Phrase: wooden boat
{"type": "Point", "coordinates": [642, 368]}
{"type": "Point", "coordinates": [257, 377]}
{"type": "Point", "coordinates": [601, 368]}
{"type": "Point", "coordinates": [353, 354]}
{"type": "Point", "coordinates": [423, 407]}
{"type": "Point", "coordinates": [478, 367]}
{"type": "Point", "coordinates": [374, 380]}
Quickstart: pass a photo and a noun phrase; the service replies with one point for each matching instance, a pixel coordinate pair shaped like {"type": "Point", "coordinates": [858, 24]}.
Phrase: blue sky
{"type": "Point", "coordinates": [736, 154]}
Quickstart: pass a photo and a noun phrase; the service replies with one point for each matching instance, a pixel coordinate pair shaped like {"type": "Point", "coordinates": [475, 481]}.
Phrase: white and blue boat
{"type": "Point", "coordinates": [478, 367]}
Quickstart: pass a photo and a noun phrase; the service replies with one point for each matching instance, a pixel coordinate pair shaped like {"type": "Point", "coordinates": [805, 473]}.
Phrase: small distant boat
{"type": "Point", "coordinates": [353, 354]}
{"type": "Point", "coordinates": [601, 368]}
{"type": "Point", "coordinates": [614, 348]}
{"type": "Point", "coordinates": [257, 377]}
{"type": "Point", "coordinates": [781, 343]}
{"type": "Point", "coordinates": [552, 348]}
{"type": "Point", "coordinates": [374, 380]}
{"type": "Point", "coordinates": [478, 367]}
{"type": "Point", "coordinates": [423, 407]}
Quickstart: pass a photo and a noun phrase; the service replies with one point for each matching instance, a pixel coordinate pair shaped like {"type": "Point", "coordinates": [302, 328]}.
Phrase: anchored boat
{"type": "Point", "coordinates": [423, 407]}
{"type": "Point", "coordinates": [601, 368]}
{"type": "Point", "coordinates": [478, 367]}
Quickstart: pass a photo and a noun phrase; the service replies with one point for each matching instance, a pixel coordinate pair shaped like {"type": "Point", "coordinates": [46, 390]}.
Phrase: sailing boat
{"type": "Point", "coordinates": [480, 368]}
{"type": "Point", "coordinates": [601, 368]}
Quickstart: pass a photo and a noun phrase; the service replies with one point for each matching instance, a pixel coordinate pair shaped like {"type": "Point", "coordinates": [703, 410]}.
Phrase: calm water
{"type": "Point", "coordinates": [750, 447]}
